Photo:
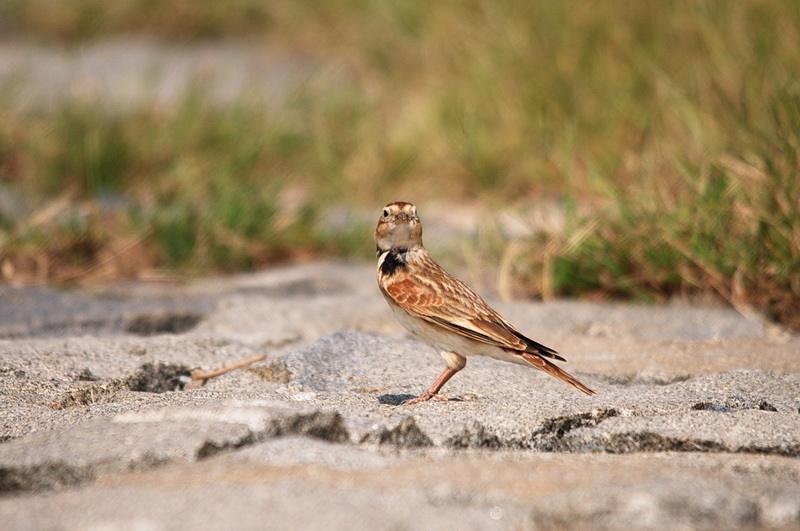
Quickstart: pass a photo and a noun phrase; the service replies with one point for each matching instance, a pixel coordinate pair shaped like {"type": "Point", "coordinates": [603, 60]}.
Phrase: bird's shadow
{"type": "Point", "coordinates": [394, 400]}
{"type": "Point", "coordinates": [397, 400]}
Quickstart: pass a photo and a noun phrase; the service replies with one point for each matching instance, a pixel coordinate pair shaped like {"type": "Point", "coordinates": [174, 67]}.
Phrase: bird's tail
{"type": "Point", "coordinates": [555, 371]}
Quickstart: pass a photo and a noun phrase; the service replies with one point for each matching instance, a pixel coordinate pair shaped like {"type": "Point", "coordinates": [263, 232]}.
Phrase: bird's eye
{"type": "Point", "coordinates": [386, 212]}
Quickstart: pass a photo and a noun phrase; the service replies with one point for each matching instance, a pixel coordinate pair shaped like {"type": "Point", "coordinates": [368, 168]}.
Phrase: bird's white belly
{"type": "Point", "coordinates": [444, 340]}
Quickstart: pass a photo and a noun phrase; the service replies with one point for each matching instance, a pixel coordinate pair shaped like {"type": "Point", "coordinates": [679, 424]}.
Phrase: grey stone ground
{"type": "Point", "coordinates": [696, 423]}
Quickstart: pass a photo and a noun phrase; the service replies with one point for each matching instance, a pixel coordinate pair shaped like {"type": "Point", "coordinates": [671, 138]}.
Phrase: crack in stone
{"type": "Point", "coordinates": [407, 434]}
{"type": "Point", "coordinates": [159, 378]}
{"type": "Point", "coordinates": [82, 326]}
{"type": "Point", "coordinates": [476, 435]}
{"type": "Point", "coordinates": [553, 435]}
{"type": "Point", "coordinates": [550, 436]}
{"type": "Point", "coordinates": [163, 323]}
{"type": "Point", "coordinates": [735, 403]}
{"type": "Point", "coordinates": [328, 426]}
{"type": "Point", "coordinates": [623, 443]}
{"type": "Point", "coordinates": [547, 438]}
{"type": "Point", "coordinates": [317, 425]}
{"type": "Point", "coordinates": [46, 476]}
{"type": "Point", "coordinates": [149, 378]}
{"type": "Point", "coordinates": [85, 375]}
{"type": "Point", "coordinates": [141, 325]}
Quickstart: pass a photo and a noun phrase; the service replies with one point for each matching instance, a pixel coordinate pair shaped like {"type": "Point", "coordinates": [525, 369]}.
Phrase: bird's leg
{"type": "Point", "coordinates": [447, 373]}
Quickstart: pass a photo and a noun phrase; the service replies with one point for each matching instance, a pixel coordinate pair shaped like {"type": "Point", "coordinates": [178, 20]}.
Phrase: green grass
{"type": "Point", "coordinates": [79, 20]}
{"type": "Point", "coordinates": [202, 186]}
{"type": "Point", "coordinates": [669, 129]}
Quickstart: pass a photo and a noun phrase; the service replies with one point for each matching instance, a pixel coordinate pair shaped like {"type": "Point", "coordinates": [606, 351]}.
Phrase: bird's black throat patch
{"type": "Point", "coordinates": [395, 259]}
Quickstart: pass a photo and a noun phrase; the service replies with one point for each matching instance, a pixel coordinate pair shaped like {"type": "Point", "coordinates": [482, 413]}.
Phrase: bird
{"type": "Point", "coordinates": [443, 311]}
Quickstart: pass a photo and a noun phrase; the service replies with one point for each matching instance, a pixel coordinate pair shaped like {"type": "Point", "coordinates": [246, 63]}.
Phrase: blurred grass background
{"type": "Point", "coordinates": [668, 134]}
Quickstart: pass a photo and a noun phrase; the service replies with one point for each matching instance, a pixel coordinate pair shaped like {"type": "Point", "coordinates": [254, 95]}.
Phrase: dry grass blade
{"type": "Point", "coordinates": [199, 378]}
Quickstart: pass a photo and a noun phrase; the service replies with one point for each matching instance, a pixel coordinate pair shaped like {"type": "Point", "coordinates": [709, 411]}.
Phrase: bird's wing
{"type": "Point", "coordinates": [426, 291]}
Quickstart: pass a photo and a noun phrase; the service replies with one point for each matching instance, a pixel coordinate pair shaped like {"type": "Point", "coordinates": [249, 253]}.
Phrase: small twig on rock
{"type": "Point", "coordinates": [199, 377]}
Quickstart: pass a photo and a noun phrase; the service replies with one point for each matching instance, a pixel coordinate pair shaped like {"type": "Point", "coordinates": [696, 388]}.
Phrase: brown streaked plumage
{"type": "Point", "coordinates": [443, 311]}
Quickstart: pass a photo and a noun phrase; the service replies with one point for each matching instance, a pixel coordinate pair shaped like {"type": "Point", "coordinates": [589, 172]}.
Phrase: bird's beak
{"type": "Point", "coordinates": [402, 217]}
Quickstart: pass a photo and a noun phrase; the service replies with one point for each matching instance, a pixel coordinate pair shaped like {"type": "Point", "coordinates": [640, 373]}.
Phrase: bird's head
{"type": "Point", "coordinates": [398, 227]}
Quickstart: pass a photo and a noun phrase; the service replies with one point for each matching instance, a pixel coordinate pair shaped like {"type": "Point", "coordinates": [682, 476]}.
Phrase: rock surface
{"type": "Point", "coordinates": [696, 421]}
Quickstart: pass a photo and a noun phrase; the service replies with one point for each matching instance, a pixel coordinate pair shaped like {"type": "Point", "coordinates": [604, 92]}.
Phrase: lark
{"type": "Point", "coordinates": [444, 312]}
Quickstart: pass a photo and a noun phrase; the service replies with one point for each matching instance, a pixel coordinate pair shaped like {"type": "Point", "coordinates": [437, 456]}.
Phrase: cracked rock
{"type": "Point", "coordinates": [694, 424]}
{"type": "Point", "coordinates": [476, 435]}
{"type": "Point", "coordinates": [406, 434]}
{"type": "Point", "coordinates": [142, 440]}
{"type": "Point", "coordinates": [694, 431]}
